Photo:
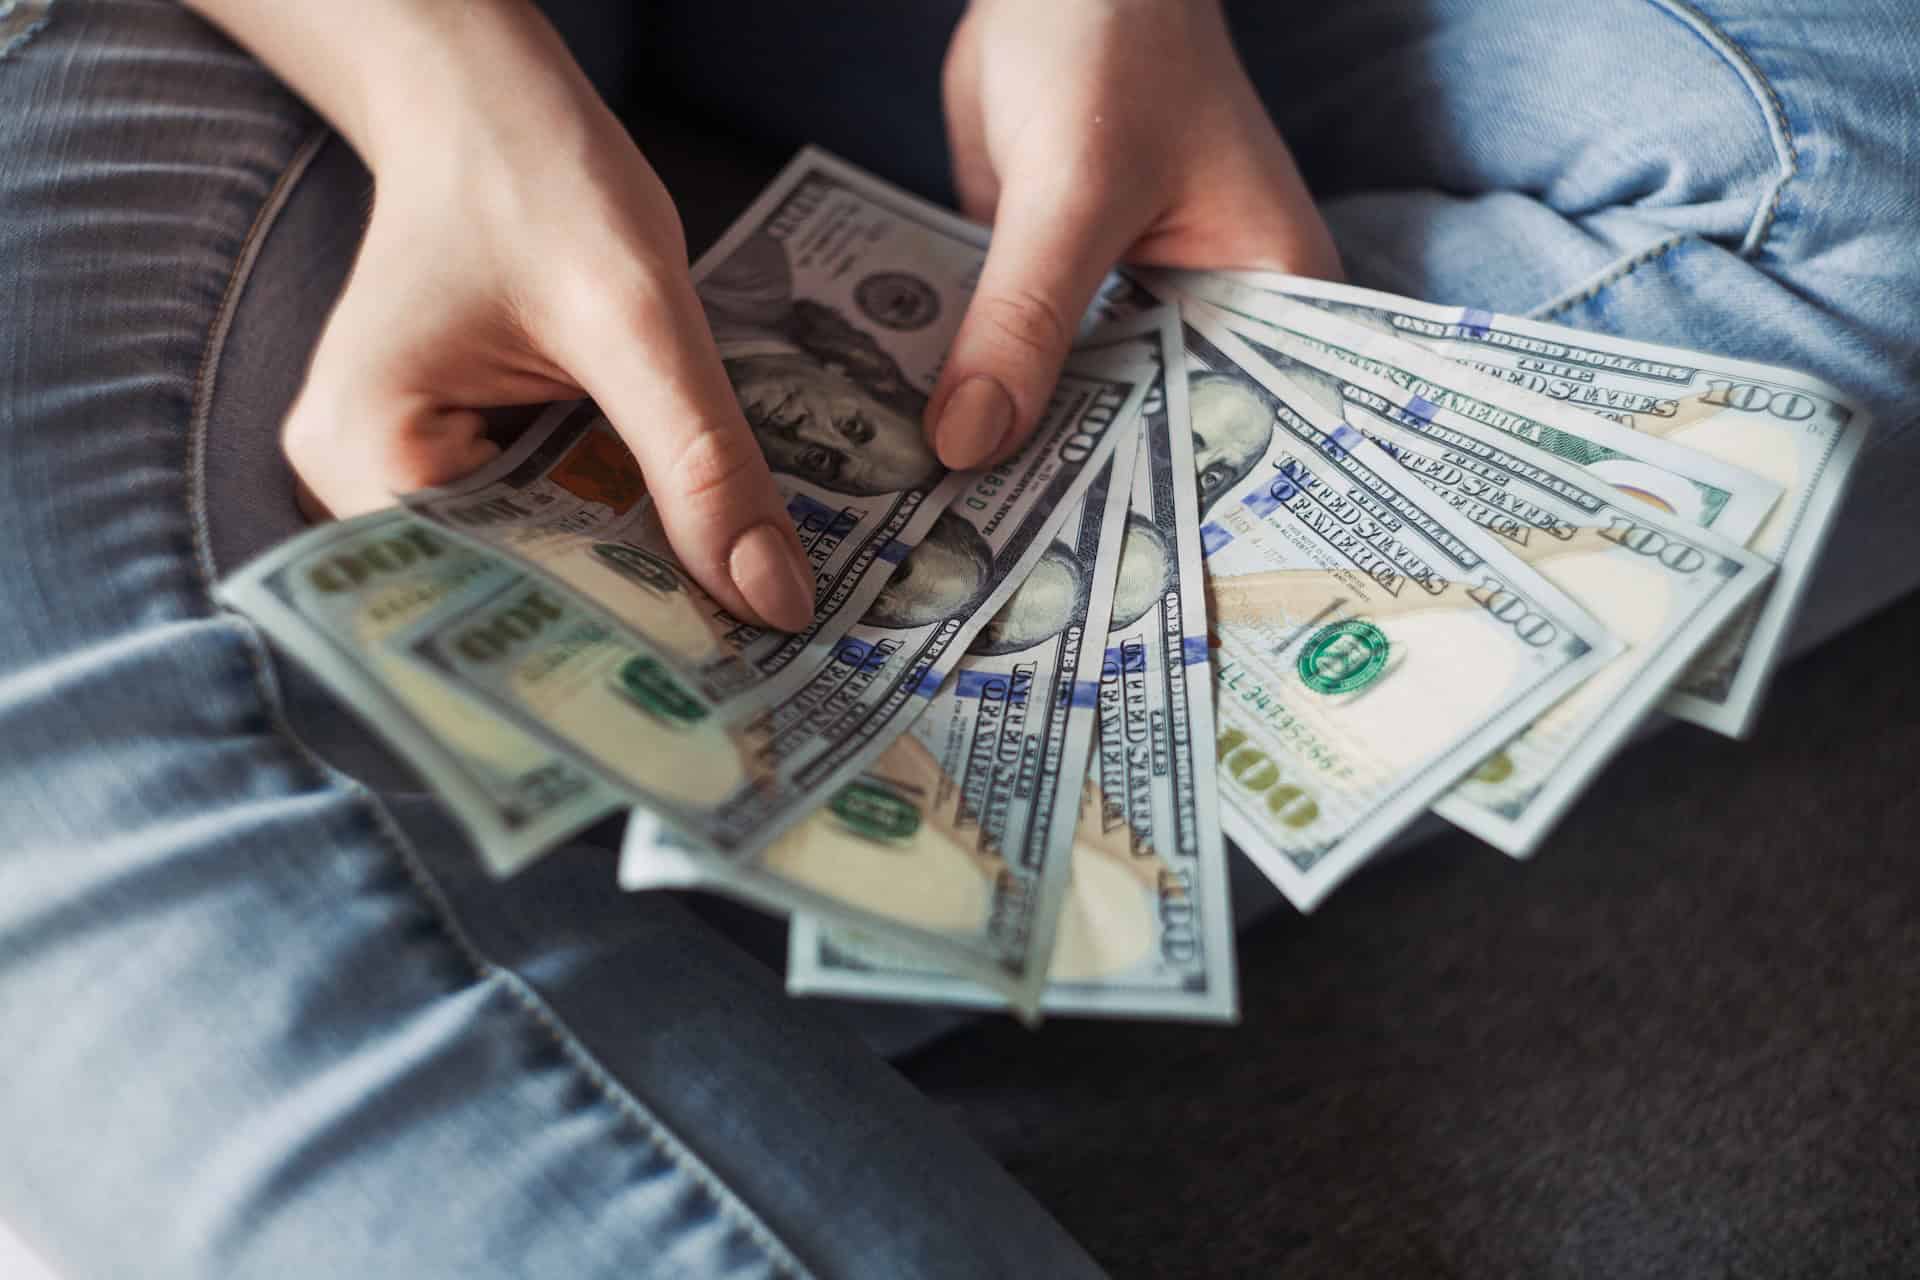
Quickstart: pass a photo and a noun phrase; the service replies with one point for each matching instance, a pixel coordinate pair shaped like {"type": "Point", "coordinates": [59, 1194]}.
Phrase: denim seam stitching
{"type": "Point", "coordinates": [1788, 155]}
{"type": "Point", "coordinates": [1608, 276]}
{"type": "Point", "coordinates": [206, 375]}
{"type": "Point", "coordinates": [1768, 99]}
{"type": "Point", "coordinates": [611, 1092]}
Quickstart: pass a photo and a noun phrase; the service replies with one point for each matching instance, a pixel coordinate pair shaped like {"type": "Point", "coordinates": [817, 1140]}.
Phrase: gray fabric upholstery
{"type": "Point", "coordinates": [1680, 1042]}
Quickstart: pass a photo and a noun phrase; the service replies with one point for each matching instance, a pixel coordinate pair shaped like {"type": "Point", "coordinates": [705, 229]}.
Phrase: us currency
{"type": "Point", "coordinates": [1798, 432]}
{"type": "Point", "coordinates": [965, 827]}
{"type": "Point", "coordinates": [832, 300]}
{"type": "Point", "coordinates": [1146, 929]}
{"type": "Point", "coordinates": [1662, 585]}
{"type": "Point", "coordinates": [1729, 499]}
{"type": "Point", "coordinates": [960, 833]}
{"type": "Point", "coordinates": [1372, 643]}
{"type": "Point", "coordinates": [334, 595]}
{"type": "Point", "coordinates": [729, 780]}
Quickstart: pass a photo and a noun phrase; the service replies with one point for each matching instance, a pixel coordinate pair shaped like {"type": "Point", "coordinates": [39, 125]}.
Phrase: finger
{"type": "Point", "coordinates": [650, 362]}
{"type": "Point", "coordinates": [974, 180]}
{"type": "Point", "coordinates": [393, 448]}
{"type": "Point", "coordinates": [363, 428]}
{"type": "Point", "coordinates": [1054, 239]}
{"type": "Point", "coordinates": [356, 440]}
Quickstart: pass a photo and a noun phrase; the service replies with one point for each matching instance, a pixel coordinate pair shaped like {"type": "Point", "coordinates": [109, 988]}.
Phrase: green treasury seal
{"type": "Point", "coordinates": [646, 683]}
{"type": "Point", "coordinates": [874, 811]}
{"type": "Point", "coordinates": [1343, 656]}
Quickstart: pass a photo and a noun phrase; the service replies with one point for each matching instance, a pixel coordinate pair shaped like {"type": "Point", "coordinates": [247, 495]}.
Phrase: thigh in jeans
{"type": "Point", "coordinates": [1720, 174]}
{"type": "Point", "coordinates": [255, 1024]}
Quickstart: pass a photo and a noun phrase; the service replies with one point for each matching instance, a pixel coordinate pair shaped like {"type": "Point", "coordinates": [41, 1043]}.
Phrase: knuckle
{"type": "Point", "coordinates": [404, 464]}
{"type": "Point", "coordinates": [1094, 173]}
{"type": "Point", "coordinates": [1026, 321]}
{"type": "Point", "coordinates": [615, 304]}
{"type": "Point", "coordinates": [663, 234]}
{"type": "Point", "coordinates": [630, 298]}
{"type": "Point", "coordinates": [306, 438]}
{"type": "Point", "coordinates": [715, 464]}
{"type": "Point", "coordinates": [347, 458]}
{"type": "Point", "coordinates": [1082, 178]}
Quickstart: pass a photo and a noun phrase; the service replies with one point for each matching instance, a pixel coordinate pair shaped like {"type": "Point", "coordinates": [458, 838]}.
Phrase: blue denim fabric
{"type": "Point", "coordinates": [259, 1020]}
{"type": "Point", "coordinates": [1735, 175]}
{"type": "Point", "coordinates": [263, 1018]}
{"type": "Point", "coordinates": [1731, 175]}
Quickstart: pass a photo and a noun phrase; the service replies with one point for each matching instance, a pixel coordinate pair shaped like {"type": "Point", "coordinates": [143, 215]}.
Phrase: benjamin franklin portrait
{"type": "Point", "coordinates": [1040, 608]}
{"type": "Point", "coordinates": [828, 404]}
{"type": "Point", "coordinates": [1146, 572]}
{"type": "Point", "coordinates": [1231, 427]}
{"type": "Point", "coordinates": [950, 570]}
{"type": "Point", "coordinates": [942, 576]}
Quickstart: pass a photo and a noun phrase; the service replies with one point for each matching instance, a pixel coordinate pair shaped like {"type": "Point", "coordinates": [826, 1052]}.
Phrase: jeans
{"type": "Point", "coordinates": [264, 1016]}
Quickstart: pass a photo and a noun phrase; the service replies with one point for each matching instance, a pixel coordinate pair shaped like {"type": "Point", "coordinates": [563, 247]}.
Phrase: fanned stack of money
{"type": "Point", "coordinates": [1285, 561]}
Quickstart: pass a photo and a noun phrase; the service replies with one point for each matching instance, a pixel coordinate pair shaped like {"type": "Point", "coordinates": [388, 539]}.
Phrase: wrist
{"type": "Point", "coordinates": [493, 76]}
{"type": "Point", "coordinates": [400, 79]}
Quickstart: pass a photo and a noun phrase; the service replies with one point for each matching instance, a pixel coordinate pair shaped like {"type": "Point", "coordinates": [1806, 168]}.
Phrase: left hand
{"type": "Point", "coordinates": [1088, 131]}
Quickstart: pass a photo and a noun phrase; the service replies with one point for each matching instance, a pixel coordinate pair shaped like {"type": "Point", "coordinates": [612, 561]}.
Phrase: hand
{"type": "Point", "coordinates": [521, 250]}
{"type": "Point", "coordinates": [1088, 131]}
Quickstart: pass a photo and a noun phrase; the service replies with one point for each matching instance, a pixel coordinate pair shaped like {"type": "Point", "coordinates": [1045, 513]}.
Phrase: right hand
{"type": "Point", "coordinates": [521, 250]}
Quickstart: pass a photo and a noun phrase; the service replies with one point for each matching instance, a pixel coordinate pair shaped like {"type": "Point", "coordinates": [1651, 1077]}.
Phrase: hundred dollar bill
{"type": "Point", "coordinates": [729, 780]}
{"type": "Point", "coordinates": [1797, 431]}
{"type": "Point", "coordinates": [1373, 644]}
{"type": "Point", "coordinates": [567, 501]}
{"type": "Point", "coordinates": [1662, 585]}
{"type": "Point", "coordinates": [832, 300]}
{"type": "Point", "coordinates": [1692, 484]}
{"type": "Point", "coordinates": [1146, 929]}
{"type": "Point", "coordinates": [965, 826]}
{"type": "Point", "coordinates": [960, 833]}
{"type": "Point", "coordinates": [332, 597]}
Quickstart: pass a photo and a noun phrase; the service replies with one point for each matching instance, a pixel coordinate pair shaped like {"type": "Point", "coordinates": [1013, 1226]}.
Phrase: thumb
{"type": "Point", "coordinates": [653, 368]}
{"type": "Point", "coordinates": [1048, 255]}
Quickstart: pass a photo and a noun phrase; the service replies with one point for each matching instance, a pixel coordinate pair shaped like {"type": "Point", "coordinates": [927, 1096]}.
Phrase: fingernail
{"type": "Point", "coordinates": [770, 573]}
{"type": "Point", "coordinates": [975, 424]}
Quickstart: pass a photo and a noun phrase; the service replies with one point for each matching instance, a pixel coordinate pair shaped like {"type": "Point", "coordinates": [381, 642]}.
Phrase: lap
{"type": "Point", "coordinates": [1721, 175]}
{"type": "Point", "coordinates": [238, 975]}
{"type": "Point", "coordinates": [1546, 157]}
{"type": "Point", "coordinates": [263, 1018]}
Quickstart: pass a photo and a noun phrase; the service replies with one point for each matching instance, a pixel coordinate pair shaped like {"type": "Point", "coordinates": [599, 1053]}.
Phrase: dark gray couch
{"type": "Point", "coordinates": [1683, 1041]}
